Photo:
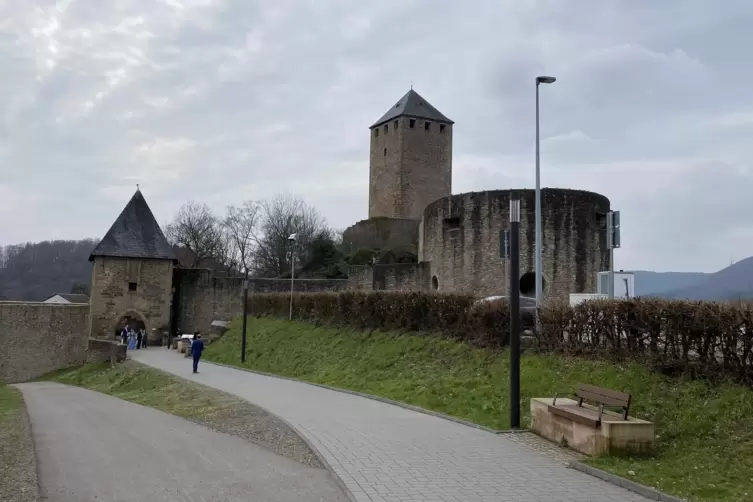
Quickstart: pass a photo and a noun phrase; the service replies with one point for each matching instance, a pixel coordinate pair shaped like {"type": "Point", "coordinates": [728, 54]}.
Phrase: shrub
{"type": "Point", "coordinates": [455, 316]}
{"type": "Point", "coordinates": [702, 339]}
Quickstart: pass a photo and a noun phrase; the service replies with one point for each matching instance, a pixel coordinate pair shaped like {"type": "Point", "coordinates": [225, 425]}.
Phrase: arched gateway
{"type": "Point", "coordinates": [132, 273]}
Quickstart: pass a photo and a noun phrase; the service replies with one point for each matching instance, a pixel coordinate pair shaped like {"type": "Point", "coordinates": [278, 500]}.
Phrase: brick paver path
{"type": "Point", "coordinates": [384, 453]}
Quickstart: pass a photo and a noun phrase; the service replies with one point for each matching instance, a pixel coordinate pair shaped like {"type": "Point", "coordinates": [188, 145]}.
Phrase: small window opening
{"type": "Point", "coordinates": [412, 123]}
{"type": "Point", "coordinates": [376, 132]}
{"type": "Point", "coordinates": [452, 223]}
{"type": "Point", "coordinates": [394, 126]}
{"type": "Point", "coordinates": [386, 128]}
{"type": "Point", "coordinates": [385, 152]}
{"type": "Point", "coordinates": [434, 283]}
{"type": "Point", "coordinates": [132, 286]}
{"type": "Point", "coordinates": [427, 125]}
{"type": "Point", "coordinates": [441, 127]}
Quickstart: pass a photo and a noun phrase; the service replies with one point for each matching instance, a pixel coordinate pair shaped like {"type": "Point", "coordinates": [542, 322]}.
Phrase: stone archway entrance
{"type": "Point", "coordinates": [132, 320]}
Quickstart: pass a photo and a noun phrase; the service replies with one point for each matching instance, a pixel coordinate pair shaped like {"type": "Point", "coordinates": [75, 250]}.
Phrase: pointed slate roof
{"type": "Point", "coordinates": [412, 105]}
{"type": "Point", "coordinates": [135, 234]}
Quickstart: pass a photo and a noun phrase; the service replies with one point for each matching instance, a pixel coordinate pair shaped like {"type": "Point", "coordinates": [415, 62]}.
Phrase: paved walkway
{"type": "Point", "coordinates": [93, 447]}
{"type": "Point", "coordinates": [384, 453]}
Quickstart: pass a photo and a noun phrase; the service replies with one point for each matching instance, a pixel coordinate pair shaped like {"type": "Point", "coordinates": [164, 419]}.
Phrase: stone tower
{"type": "Point", "coordinates": [411, 159]}
{"type": "Point", "coordinates": [132, 274]}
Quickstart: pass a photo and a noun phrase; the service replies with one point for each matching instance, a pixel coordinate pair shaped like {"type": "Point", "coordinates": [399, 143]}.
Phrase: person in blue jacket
{"type": "Point", "coordinates": [197, 346]}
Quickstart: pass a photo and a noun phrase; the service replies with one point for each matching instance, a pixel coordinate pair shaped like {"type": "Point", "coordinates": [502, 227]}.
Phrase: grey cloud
{"type": "Point", "coordinates": [222, 101]}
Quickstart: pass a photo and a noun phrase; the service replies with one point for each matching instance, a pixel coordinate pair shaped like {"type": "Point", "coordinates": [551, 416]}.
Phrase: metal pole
{"type": "Point", "coordinates": [611, 273]}
{"type": "Point", "coordinates": [514, 293]}
{"type": "Point", "coordinates": [539, 280]}
{"type": "Point", "coordinates": [245, 315]}
{"type": "Point", "coordinates": [292, 279]}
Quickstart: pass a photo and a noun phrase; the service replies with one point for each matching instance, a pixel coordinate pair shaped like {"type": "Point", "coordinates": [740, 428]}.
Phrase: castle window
{"type": "Point", "coordinates": [441, 127]}
{"type": "Point", "coordinates": [376, 132]}
{"type": "Point", "coordinates": [386, 128]}
{"type": "Point", "coordinates": [427, 125]}
{"type": "Point", "coordinates": [412, 123]}
{"type": "Point", "coordinates": [394, 126]}
{"type": "Point", "coordinates": [385, 152]}
{"type": "Point", "coordinates": [132, 286]}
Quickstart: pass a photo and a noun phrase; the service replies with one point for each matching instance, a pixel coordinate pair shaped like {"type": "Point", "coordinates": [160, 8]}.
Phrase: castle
{"type": "Point", "coordinates": [411, 208]}
{"type": "Point", "coordinates": [456, 238]}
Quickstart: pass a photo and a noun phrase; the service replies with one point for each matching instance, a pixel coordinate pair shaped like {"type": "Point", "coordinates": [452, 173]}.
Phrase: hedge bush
{"type": "Point", "coordinates": [702, 339]}
{"type": "Point", "coordinates": [455, 316]}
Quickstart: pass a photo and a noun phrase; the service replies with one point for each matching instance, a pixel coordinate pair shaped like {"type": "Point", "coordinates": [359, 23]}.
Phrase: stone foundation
{"type": "Point", "coordinates": [615, 436]}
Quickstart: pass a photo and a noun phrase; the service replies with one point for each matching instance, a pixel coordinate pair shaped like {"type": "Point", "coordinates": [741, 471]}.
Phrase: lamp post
{"type": "Point", "coordinates": [291, 239]}
{"type": "Point", "coordinates": [245, 314]}
{"type": "Point", "coordinates": [539, 271]}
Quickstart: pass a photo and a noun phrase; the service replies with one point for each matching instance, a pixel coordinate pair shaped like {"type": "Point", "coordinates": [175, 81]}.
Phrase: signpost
{"type": "Point", "coordinates": [245, 313]}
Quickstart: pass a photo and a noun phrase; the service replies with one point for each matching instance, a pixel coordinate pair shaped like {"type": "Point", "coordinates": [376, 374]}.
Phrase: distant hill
{"type": "Point", "coordinates": [649, 283]}
{"type": "Point", "coordinates": [34, 272]}
{"type": "Point", "coordinates": [733, 282]}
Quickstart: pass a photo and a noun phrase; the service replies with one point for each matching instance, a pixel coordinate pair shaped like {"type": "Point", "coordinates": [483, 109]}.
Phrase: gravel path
{"type": "Point", "coordinates": [385, 453]}
{"type": "Point", "coordinates": [18, 466]}
{"type": "Point", "coordinates": [91, 446]}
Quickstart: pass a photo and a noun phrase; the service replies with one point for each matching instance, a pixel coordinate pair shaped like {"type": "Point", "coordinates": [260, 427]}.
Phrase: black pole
{"type": "Point", "coordinates": [245, 313]}
{"type": "Point", "coordinates": [514, 279]}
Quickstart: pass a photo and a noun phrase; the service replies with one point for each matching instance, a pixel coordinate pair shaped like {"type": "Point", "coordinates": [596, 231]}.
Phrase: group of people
{"type": "Point", "coordinates": [134, 338]}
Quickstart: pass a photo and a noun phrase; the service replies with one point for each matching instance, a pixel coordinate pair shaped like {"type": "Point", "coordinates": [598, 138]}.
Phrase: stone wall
{"type": "Point", "coordinates": [141, 289]}
{"type": "Point", "coordinates": [382, 233]}
{"type": "Point", "coordinates": [104, 351]}
{"type": "Point", "coordinates": [36, 338]}
{"type": "Point", "coordinates": [460, 237]}
{"type": "Point", "coordinates": [409, 167]}
{"type": "Point", "coordinates": [202, 295]}
{"type": "Point", "coordinates": [394, 277]}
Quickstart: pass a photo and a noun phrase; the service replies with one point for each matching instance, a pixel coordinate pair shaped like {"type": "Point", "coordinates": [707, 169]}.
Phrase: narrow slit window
{"type": "Point", "coordinates": [376, 132]}
{"type": "Point", "coordinates": [412, 123]}
{"type": "Point", "coordinates": [386, 128]}
{"type": "Point", "coordinates": [427, 125]}
{"type": "Point", "coordinates": [132, 286]}
{"type": "Point", "coordinates": [394, 126]}
{"type": "Point", "coordinates": [385, 152]}
{"type": "Point", "coordinates": [441, 127]}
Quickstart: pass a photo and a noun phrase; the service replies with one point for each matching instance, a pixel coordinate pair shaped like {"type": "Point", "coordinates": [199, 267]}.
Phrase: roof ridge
{"type": "Point", "coordinates": [412, 104]}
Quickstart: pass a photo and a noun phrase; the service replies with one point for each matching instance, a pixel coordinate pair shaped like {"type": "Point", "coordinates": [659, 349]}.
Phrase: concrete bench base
{"type": "Point", "coordinates": [615, 436]}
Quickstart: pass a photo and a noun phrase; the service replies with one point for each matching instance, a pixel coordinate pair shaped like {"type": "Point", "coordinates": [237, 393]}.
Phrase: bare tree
{"type": "Point", "coordinates": [198, 230]}
{"type": "Point", "coordinates": [281, 216]}
{"type": "Point", "coordinates": [241, 233]}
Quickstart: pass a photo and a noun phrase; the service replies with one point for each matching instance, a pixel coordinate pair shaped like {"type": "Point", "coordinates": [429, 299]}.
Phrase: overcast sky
{"type": "Point", "coordinates": [222, 100]}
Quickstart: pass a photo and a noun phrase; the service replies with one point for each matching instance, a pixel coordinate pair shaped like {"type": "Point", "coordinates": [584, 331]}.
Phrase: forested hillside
{"type": "Point", "coordinates": [34, 272]}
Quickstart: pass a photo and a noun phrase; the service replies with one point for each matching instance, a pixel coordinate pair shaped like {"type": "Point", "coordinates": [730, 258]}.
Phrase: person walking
{"type": "Point", "coordinates": [143, 338]}
{"type": "Point", "coordinates": [139, 337]}
{"type": "Point", "coordinates": [197, 346]}
{"type": "Point", "coordinates": [124, 335]}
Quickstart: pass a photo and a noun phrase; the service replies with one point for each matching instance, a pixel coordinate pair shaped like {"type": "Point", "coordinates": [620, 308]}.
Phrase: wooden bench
{"type": "Point", "coordinates": [601, 397]}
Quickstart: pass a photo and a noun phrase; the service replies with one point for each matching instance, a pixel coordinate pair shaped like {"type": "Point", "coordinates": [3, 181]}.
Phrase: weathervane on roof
{"type": "Point", "coordinates": [411, 85]}
{"type": "Point", "coordinates": [137, 187]}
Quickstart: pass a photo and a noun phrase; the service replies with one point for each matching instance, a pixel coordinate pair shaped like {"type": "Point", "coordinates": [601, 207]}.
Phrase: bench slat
{"type": "Point", "coordinates": [605, 396]}
{"type": "Point", "coordinates": [576, 414]}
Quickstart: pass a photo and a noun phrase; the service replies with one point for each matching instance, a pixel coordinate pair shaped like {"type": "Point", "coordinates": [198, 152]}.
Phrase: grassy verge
{"type": "Point", "coordinates": [226, 413]}
{"type": "Point", "coordinates": [18, 480]}
{"type": "Point", "coordinates": [705, 434]}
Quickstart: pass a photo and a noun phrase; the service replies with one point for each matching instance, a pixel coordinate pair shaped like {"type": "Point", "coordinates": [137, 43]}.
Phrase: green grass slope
{"type": "Point", "coordinates": [705, 433]}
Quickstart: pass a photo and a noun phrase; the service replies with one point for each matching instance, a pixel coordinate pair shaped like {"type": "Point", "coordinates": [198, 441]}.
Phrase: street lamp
{"type": "Point", "coordinates": [291, 239]}
{"type": "Point", "coordinates": [539, 268]}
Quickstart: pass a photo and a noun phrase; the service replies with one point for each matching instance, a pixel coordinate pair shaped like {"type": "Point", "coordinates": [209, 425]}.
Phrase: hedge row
{"type": "Point", "coordinates": [455, 316]}
{"type": "Point", "coordinates": [708, 339]}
